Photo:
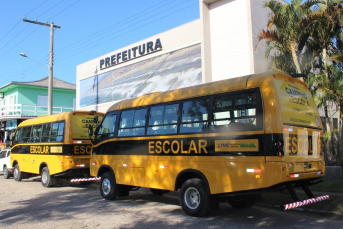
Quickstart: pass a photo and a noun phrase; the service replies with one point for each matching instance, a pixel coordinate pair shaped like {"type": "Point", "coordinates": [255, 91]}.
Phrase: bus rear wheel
{"type": "Point", "coordinates": [108, 186]}
{"type": "Point", "coordinates": [243, 201]}
{"type": "Point", "coordinates": [17, 174]}
{"type": "Point", "coordinates": [195, 199]}
{"type": "Point", "coordinates": [47, 179]}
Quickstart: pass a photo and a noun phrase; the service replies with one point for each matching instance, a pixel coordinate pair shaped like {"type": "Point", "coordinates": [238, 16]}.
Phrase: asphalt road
{"type": "Point", "coordinates": [27, 204]}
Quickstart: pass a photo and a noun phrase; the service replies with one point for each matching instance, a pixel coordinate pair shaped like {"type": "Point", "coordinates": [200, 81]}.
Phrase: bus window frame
{"type": "Point", "coordinates": [116, 125]}
{"type": "Point", "coordinates": [178, 102]}
{"type": "Point", "coordinates": [209, 114]}
{"type": "Point", "coordinates": [259, 116]}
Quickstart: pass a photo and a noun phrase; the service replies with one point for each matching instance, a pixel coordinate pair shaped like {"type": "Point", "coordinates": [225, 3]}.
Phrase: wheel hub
{"type": "Point", "coordinates": [192, 198]}
{"type": "Point", "coordinates": [106, 186]}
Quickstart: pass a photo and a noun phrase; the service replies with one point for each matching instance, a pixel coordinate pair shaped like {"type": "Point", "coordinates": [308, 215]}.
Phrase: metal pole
{"type": "Point", "coordinates": [51, 68]}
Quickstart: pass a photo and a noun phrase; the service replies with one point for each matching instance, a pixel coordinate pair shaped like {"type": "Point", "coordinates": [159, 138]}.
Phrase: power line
{"type": "Point", "coordinates": [126, 32]}
{"type": "Point", "coordinates": [133, 17]}
{"type": "Point", "coordinates": [20, 20]}
{"type": "Point", "coordinates": [99, 39]}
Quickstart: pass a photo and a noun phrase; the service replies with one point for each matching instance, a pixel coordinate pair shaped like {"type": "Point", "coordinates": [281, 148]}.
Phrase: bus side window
{"type": "Point", "coordinates": [46, 132]}
{"type": "Point", "coordinates": [132, 122]}
{"type": "Point", "coordinates": [222, 111]}
{"type": "Point", "coordinates": [163, 119]}
{"type": "Point", "coordinates": [194, 116]}
{"type": "Point", "coordinates": [36, 133]}
{"type": "Point", "coordinates": [57, 132]}
{"type": "Point", "coordinates": [25, 134]}
{"type": "Point", "coordinates": [125, 125]}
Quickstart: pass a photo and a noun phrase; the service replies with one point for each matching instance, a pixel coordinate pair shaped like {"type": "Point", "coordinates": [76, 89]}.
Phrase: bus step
{"type": "Point", "coordinates": [85, 179]}
{"type": "Point", "coordinates": [304, 202]}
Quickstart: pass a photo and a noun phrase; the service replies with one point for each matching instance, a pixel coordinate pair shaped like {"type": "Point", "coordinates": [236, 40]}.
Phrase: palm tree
{"type": "Point", "coordinates": [325, 26]}
{"type": "Point", "coordinates": [285, 33]}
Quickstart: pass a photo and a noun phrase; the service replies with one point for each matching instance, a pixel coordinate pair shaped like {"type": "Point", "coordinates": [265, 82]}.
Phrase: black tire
{"type": "Point", "coordinates": [46, 179]}
{"type": "Point", "coordinates": [17, 174]}
{"type": "Point", "coordinates": [243, 201]}
{"type": "Point", "coordinates": [7, 173]}
{"type": "Point", "coordinates": [158, 192]}
{"type": "Point", "coordinates": [195, 198]}
{"type": "Point", "coordinates": [108, 186]}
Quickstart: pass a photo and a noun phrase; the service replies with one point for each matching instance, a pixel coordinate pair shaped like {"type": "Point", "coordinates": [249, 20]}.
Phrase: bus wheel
{"type": "Point", "coordinates": [243, 201]}
{"type": "Point", "coordinates": [47, 180]}
{"type": "Point", "coordinates": [7, 173]}
{"type": "Point", "coordinates": [17, 173]}
{"type": "Point", "coordinates": [108, 186]}
{"type": "Point", "coordinates": [158, 192]}
{"type": "Point", "coordinates": [194, 198]}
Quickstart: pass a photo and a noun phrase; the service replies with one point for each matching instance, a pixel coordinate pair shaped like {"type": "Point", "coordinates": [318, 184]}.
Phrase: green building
{"type": "Point", "coordinates": [23, 100]}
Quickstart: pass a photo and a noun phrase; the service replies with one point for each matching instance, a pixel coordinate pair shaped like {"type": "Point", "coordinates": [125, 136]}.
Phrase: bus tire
{"type": "Point", "coordinates": [7, 173]}
{"type": "Point", "coordinates": [108, 186]}
{"type": "Point", "coordinates": [158, 192]}
{"type": "Point", "coordinates": [17, 174]}
{"type": "Point", "coordinates": [242, 201]}
{"type": "Point", "coordinates": [195, 199]}
{"type": "Point", "coordinates": [46, 179]}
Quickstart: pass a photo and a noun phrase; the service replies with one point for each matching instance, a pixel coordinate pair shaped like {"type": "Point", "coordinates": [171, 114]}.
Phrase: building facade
{"type": "Point", "coordinates": [23, 100]}
{"type": "Point", "coordinates": [219, 45]}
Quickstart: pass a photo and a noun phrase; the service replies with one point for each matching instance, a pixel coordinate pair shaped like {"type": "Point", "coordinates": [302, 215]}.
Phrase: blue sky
{"type": "Point", "coordinates": [89, 29]}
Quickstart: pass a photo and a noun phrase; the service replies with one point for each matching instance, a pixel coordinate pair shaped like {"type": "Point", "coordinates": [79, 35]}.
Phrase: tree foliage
{"type": "Point", "coordinates": [307, 37]}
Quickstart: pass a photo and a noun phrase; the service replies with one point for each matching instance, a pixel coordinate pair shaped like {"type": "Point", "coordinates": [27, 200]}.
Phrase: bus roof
{"type": "Point", "coordinates": [55, 117]}
{"type": "Point", "coordinates": [233, 84]}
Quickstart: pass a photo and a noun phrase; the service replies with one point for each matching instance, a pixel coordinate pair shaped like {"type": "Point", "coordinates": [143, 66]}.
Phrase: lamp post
{"type": "Point", "coordinates": [50, 84]}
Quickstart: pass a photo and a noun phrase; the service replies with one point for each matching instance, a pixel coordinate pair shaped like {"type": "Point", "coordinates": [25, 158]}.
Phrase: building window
{"type": "Point", "coordinates": [42, 100]}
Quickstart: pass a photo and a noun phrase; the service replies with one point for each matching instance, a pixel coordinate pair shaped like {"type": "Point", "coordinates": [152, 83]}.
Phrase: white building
{"type": "Point", "coordinates": [219, 45]}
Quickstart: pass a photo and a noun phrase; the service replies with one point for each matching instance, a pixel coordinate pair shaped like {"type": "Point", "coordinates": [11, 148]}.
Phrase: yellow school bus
{"type": "Point", "coordinates": [53, 146]}
{"type": "Point", "coordinates": [220, 141]}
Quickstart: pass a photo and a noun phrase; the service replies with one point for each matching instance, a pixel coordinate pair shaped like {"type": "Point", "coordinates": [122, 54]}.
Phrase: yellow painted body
{"type": "Point", "coordinates": [227, 173]}
{"type": "Point", "coordinates": [33, 155]}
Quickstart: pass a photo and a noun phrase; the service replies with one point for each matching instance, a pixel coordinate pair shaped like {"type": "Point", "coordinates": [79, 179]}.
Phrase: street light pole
{"type": "Point", "coordinates": [51, 61]}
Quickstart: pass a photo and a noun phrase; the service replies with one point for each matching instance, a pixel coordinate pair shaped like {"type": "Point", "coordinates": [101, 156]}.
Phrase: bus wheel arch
{"type": "Point", "coordinates": [47, 179]}
{"type": "Point", "coordinates": [187, 174]}
{"type": "Point", "coordinates": [42, 165]}
{"type": "Point", "coordinates": [103, 169]}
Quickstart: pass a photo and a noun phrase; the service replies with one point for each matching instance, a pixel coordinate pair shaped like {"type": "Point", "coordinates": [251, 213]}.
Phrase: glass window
{"type": "Point", "coordinates": [3, 154]}
{"type": "Point", "coordinates": [57, 132]}
{"type": "Point", "coordinates": [132, 122]}
{"type": "Point", "coordinates": [46, 132]}
{"type": "Point", "coordinates": [194, 116]}
{"type": "Point", "coordinates": [17, 136]}
{"type": "Point", "coordinates": [107, 128]}
{"type": "Point", "coordinates": [163, 119]}
{"type": "Point", "coordinates": [25, 135]}
{"type": "Point", "coordinates": [222, 108]}
{"type": "Point", "coordinates": [36, 133]}
{"type": "Point", "coordinates": [236, 111]}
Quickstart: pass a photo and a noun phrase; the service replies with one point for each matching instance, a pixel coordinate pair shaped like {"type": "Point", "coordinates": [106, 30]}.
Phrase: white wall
{"type": "Point", "coordinates": [234, 26]}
